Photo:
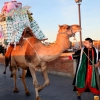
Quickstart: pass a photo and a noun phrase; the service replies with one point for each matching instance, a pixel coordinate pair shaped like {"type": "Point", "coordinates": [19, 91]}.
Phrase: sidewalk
{"type": "Point", "coordinates": [60, 88]}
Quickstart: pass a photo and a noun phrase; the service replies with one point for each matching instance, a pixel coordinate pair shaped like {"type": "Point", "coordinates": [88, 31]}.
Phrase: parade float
{"type": "Point", "coordinates": [14, 18]}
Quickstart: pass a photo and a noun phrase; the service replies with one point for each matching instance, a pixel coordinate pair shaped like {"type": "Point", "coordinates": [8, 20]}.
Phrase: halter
{"type": "Point", "coordinates": [72, 35]}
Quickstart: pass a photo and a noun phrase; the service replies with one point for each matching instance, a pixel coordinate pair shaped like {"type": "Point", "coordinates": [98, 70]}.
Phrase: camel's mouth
{"type": "Point", "coordinates": [77, 30]}
{"type": "Point", "coordinates": [72, 35]}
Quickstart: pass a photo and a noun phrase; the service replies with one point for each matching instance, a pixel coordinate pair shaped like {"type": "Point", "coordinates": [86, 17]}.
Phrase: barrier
{"type": "Point", "coordinates": [58, 66]}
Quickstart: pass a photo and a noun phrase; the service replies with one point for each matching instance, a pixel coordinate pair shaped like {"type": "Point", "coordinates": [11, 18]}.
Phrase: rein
{"type": "Point", "coordinates": [84, 52]}
{"type": "Point", "coordinates": [67, 33]}
{"type": "Point", "coordinates": [32, 47]}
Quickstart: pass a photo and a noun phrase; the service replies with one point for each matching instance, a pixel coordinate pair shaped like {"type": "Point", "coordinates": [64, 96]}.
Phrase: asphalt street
{"type": "Point", "coordinates": [60, 88]}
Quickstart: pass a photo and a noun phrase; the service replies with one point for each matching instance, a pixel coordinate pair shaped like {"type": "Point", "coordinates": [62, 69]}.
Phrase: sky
{"type": "Point", "coordinates": [51, 13]}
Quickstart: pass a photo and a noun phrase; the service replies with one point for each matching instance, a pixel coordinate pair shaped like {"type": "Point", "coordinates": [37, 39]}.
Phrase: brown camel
{"type": "Point", "coordinates": [7, 56]}
{"type": "Point", "coordinates": [33, 53]}
{"type": "Point", "coordinates": [26, 33]}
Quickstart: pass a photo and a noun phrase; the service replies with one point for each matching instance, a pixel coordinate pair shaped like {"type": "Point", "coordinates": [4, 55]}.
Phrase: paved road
{"type": "Point", "coordinates": [60, 88]}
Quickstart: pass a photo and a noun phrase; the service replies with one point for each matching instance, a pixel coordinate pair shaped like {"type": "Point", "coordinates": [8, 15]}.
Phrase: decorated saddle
{"type": "Point", "coordinates": [13, 20]}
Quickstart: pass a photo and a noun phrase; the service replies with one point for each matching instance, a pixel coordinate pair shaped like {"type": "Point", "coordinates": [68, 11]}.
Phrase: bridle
{"type": "Point", "coordinates": [72, 35]}
{"type": "Point", "coordinates": [32, 47]}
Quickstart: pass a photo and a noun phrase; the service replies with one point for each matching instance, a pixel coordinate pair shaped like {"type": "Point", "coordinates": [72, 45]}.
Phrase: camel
{"type": "Point", "coordinates": [26, 33]}
{"type": "Point", "coordinates": [32, 52]}
{"type": "Point", "coordinates": [7, 58]}
{"type": "Point", "coordinates": [7, 54]}
{"type": "Point", "coordinates": [7, 61]}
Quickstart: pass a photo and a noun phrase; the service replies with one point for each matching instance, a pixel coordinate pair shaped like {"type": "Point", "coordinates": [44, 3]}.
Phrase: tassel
{"type": "Point", "coordinates": [14, 45]}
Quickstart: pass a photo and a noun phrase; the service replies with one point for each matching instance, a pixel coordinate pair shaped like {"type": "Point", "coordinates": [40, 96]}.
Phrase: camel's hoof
{"type": "Point", "coordinates": [47, 84]}
{"type": "Point", "coordinates": [16, 90]}
{"type": "Point", "coordinates": [20, 76]}
{"type": "Point", "coordinates": [40, 88]}
{"type": "Point", "coordinates": [28, 93]}
{"type": "Point", "coordinates": [38, 98]}
{"type": "Point", "coordinates": [11, 75]}
{"type": "Point", "coordinates": [4, 72]}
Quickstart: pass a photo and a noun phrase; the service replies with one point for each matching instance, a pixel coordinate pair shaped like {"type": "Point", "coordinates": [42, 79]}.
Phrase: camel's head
{"type": "Point", "coordinates": [69, 30]}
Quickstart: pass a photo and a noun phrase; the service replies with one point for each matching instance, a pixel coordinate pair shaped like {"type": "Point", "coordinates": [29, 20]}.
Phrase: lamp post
{"type": "Point", "coordinates": [79, 14]}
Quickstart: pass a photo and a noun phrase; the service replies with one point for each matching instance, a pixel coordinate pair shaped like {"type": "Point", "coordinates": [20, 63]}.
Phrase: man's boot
{"type": "Point", "coordinates": [96, 97]}
{"type": "Point", "coordinates": [78, 95]}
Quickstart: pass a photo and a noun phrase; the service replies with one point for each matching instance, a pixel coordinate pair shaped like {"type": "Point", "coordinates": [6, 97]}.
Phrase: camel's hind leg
{"type": "Point", "coordinates": [5, 70]}
{"type": "Point", "coordinates": [24, 82]}
{"type": "Point", "coordinates": [14, 77]}
{"type": "Point", "coordinates": [7, 60]}
{"type": "Point", "coordinates": [11, 75]}
{"type": "Point", "coordinates": [35, 82]}
{"type": "Point", "coordinates": [45, 75]}
{"type": "Point", "coordinates": [19, 73]}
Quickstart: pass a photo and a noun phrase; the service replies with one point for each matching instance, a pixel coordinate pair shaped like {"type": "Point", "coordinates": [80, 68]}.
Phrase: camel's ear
{"type": "Point", "coordinates": [59, 26]}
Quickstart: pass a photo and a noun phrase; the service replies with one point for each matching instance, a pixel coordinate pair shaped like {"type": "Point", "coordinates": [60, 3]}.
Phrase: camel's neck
{"type": "Point", "coordinates": [52, 52]}
{"type": "Point", "coordinates": [62, 43]}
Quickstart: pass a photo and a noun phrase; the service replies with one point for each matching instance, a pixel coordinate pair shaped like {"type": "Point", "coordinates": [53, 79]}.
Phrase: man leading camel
{"type": "Point", "coordinates": [87, 76]}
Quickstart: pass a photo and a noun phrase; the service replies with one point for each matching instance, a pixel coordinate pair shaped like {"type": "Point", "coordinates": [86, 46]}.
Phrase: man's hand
{"type": "Point", "coordinates": [97, 64]}
{"type": "Point", "coordinates": [67, 58]}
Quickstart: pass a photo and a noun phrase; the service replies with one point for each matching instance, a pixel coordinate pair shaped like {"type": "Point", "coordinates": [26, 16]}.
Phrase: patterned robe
{"type": "Point", "coordinates": [87, 76]}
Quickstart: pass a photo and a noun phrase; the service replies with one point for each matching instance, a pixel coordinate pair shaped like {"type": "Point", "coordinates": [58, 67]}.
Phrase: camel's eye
{"type": "Point", "coordinates": [68, 28]}
{"type": "Point", "coordinates": [64, 27]}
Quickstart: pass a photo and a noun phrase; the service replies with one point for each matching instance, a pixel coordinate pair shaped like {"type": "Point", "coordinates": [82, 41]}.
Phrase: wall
{"type": "Point", "coordinates": [61, 67]}
{"type": "Point", "coordinates": [58, 66]}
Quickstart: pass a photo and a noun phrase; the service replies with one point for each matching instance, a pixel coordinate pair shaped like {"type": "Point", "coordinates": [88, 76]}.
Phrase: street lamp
{"type": "Point", "coordinates": [79, 14]}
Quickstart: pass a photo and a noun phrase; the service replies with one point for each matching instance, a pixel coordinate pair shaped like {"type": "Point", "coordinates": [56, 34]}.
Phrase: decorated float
{"type": "Point", "coordinates": [14, 18]}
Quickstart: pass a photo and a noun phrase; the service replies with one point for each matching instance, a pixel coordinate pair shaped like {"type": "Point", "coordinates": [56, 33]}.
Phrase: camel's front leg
{"type": "Point", "coordinates": [24, 82]}
{"type": "Point", "coordinates": [45, 75]}
{"type": "Point", "coordinates": [35, 82]}
{"type": "Point", "coordinates": [14, 77]}
{"type": "Point", "coordinates": [19, 72]}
